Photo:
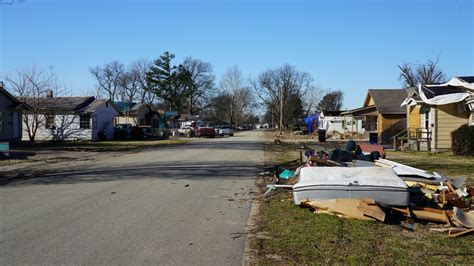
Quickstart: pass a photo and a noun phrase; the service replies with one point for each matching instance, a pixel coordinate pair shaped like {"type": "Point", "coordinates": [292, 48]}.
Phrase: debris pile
{"type": "Point", "coordinates": [360, 183]}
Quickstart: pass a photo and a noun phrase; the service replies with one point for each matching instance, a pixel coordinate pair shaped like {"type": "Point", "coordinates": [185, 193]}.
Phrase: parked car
{"type": "Point", "coordinates": [186, 132]}
{"type": "Point", "coordinates": [148, 132]}
{"type": "Point", "coordinates": [206, 132]}
{"type": "Point", "coordinates": [122, 131]}
{"type": "Point", "coordinates": [224, 130]}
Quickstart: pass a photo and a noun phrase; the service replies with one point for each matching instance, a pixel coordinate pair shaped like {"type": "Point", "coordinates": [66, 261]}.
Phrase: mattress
{"type": "Point", "coordinates": [380, 184]}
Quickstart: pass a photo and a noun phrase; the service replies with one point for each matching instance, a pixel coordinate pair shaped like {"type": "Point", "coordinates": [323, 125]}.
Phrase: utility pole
{"type": "Point", "coordinates": [281, 110]}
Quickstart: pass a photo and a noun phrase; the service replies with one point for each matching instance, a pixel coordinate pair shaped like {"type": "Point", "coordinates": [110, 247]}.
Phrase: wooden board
{"type": "Point", "coordinates": [361, 209]}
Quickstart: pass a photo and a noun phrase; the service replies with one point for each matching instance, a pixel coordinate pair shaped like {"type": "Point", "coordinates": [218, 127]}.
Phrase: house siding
{"type": "Point", "coordinates": [103, 121]}
{"type": "Point", "coordinates": [414, 116]}
{"type": "Point", "coordinates": [448, 119]}
{"type": "Point", "coordinates": [11, 129]}
{"type": "Point", "coordinates": [67, 128]}
{"type": "Point", "coordinates": [126, 120]}
{"type": "Point", "coordinates": [389, 126]}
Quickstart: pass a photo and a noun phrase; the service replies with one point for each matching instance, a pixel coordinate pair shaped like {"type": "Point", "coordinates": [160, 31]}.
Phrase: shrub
{"type": "Point", "coordinates": [463, 140]}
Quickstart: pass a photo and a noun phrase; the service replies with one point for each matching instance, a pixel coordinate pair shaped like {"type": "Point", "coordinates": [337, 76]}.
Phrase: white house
{"type": "Point", "coordinates": [334, 121]}
{"type": "Point", "coordinates": [69, 118]}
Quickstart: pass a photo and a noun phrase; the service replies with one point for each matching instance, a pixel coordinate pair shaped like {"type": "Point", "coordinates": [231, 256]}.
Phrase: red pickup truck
{"type": "Point", "coordinates": [206, 132]}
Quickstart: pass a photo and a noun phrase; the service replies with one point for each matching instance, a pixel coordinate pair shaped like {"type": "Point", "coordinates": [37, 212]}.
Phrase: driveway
{"type": "Point", "coordinates": [186, 204]}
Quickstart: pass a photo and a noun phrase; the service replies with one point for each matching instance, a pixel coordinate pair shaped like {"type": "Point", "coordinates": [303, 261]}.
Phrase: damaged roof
{"type": "Point", "coordinates": [467, 79]}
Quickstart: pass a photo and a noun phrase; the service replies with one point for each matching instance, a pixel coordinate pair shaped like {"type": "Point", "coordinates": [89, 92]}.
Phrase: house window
{"type": "Point", "coordinates": [85, 121]}
{"type": "Point", "coordinates": [375, 123]}
{"type": "Point", "coordinates": [1, 121]}
{"type": "Point", "coordinates": [49, 121]}
{"type": "Point", "coordinates": [363, 123]}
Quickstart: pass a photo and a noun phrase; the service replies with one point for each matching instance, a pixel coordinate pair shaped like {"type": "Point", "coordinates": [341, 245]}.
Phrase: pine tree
{"type": "Point", "coordinates": [169, 82]}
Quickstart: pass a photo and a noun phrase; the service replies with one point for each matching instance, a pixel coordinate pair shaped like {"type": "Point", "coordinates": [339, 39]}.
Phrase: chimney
{"type": "Point", "coordinates": [49, 94]}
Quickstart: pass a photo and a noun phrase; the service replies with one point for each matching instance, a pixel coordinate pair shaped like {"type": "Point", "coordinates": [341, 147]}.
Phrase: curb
{"type": "Point", "coordinates": [249, 230]}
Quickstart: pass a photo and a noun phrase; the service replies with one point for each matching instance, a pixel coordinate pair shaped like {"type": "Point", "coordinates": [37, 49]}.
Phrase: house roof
{"type": "Point", "coordinates": [332, 113]}
{"type": "Point", "coordinates": [96, 104]}
{"type": "Point", "coordinates": [388, 101]}
{"type": "Point", "coordinates": [139, 106]}
{"type": "Point", "coordinates": [61, 103]}
{"type": "Point", "coordinates": [124, 106]}
{"type": "Point", "coordinates": [16, 103]}
{"type": "Point", "coordinates": [467, 79]}
{"type": "Point", "coordinates": [366, 110]}
{"type": "Point", "coordinates": [188, 117]}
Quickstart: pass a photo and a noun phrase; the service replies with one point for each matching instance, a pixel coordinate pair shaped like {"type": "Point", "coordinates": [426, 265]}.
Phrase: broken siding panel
{"type": "Point", "coordinates": [449, 119]}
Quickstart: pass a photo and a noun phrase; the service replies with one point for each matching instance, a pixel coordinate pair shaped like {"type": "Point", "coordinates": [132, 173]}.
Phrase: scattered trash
{"type": "Point", "coordinates": [359, 183]}
{"type": "Point", "coordinates": [322, 183]}
{"type": "Point", "coordinates": [187, 185]}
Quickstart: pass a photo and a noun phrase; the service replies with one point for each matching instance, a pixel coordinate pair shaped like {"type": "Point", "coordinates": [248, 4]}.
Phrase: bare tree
{"type": "Point", "coordinates": [132, 83]}
{"type": "Point", "coordinates": [145, 94]}
{"type": "Point", "coordinates": [31, 85]}
{"type": "Point", "coordinates": [200, 84]}
{"type": "Point", "coordinates": [427, 73]}
{"type": "Point", "coordinates": [312, 99]}
{"type": "Point", "coordinates": [244, 105]}
{"type": "Point", "coordinates": [231, 83]}
{"type": "Point", "coordinates": [282, 89]}
{"type": "Point", "coordinates": [108, 78]}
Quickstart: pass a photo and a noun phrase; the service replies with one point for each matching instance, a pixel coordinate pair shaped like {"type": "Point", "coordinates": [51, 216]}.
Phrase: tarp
{"type": "Point", "coordinates": [311, 123]}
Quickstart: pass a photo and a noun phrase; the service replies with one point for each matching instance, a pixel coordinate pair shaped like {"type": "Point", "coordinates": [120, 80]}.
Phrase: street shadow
{"type": "Point", "coordinates": [221, 145]}
{"type": "Point", "coordinates": [171, 170]}
{"type": "Point", "coordinates": [18, 155]}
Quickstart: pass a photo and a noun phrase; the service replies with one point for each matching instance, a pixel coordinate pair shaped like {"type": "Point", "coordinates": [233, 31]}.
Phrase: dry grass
{"type": "Point", "coordinates": [295, 235]}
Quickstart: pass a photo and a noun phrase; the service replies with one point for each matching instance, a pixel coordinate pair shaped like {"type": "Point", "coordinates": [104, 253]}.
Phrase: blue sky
{"type": "Point", "coordinates": [346, 45]}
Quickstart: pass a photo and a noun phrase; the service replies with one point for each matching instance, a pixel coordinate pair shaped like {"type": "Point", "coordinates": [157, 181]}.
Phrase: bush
{"type": "Point", "coordinates": [463, 140]}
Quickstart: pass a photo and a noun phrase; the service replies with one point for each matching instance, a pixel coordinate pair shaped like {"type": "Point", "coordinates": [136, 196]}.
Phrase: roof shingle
{"type": "Point", "coordinates": [388, 101]}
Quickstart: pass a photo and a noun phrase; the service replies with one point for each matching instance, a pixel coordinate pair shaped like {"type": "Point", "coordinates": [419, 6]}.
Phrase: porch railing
{"type": "Point", "coordinates": [417, 135]}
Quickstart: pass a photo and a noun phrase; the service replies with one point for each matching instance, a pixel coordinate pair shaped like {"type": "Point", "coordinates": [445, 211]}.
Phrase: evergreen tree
{"type": "Point", "coordinates": [169, 82]}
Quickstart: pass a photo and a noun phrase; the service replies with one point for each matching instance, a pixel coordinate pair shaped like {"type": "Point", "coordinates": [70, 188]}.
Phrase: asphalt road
{"type": "Point", "coordinates": [179, 205]}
